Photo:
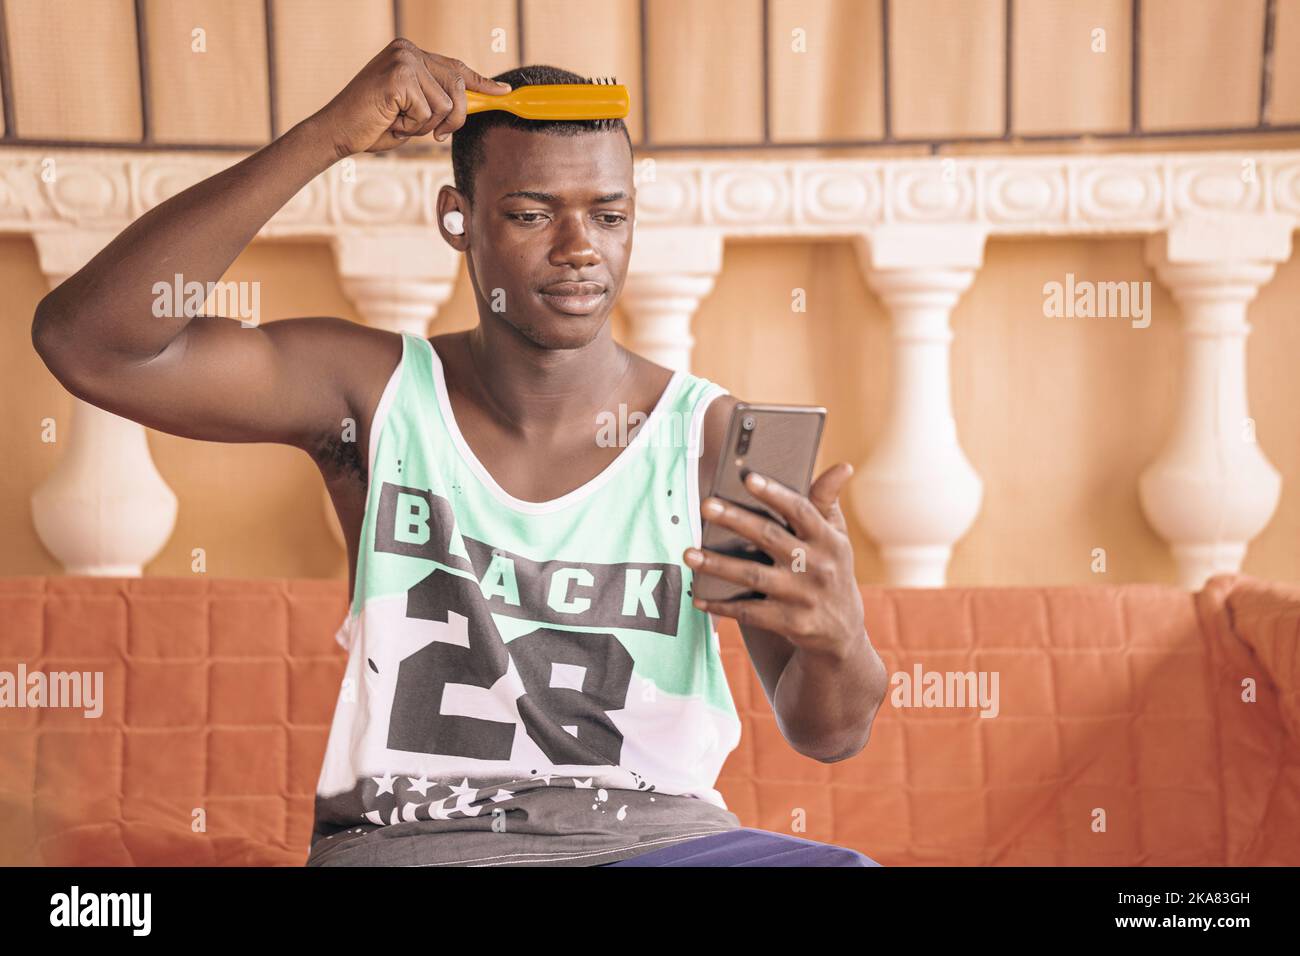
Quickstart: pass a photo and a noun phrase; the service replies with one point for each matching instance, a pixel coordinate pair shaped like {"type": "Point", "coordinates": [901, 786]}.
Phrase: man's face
{"type": "Point", "coordinates": [551, 231]}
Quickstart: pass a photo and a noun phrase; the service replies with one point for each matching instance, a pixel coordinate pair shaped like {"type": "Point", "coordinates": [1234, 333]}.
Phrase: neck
{"type": "Point", "coordinates": [539, 388]}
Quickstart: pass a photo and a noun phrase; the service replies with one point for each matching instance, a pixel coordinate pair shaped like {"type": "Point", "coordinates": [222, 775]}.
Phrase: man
{"type": "Point", "coordinates": [528, 681]}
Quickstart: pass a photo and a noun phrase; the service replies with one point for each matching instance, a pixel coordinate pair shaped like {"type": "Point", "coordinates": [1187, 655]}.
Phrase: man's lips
{"type": "Point", "coordinates": [574, 298]}
{"type": "Point", "coordinates": [573, 288]}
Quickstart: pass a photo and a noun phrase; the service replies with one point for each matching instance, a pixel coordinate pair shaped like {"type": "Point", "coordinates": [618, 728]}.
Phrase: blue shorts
{"type": "Point", "coordinates": [749, 847]}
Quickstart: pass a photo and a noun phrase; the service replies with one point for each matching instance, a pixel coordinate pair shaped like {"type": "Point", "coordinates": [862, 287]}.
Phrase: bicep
{"type": "Point", "coordinates": [290, 381]}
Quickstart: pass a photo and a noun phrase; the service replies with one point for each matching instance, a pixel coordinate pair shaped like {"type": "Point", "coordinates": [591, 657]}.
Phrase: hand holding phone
{"type": "Point", "coordinates": [777, 441]}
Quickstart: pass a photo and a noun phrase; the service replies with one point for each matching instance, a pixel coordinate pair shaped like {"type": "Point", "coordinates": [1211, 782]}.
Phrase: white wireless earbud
{"type": "Point", "coordinates": [455, 222]}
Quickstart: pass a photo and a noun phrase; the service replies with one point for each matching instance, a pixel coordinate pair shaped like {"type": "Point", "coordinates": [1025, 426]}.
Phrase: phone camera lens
{"type": "Point", "coordinates": [747, 423]}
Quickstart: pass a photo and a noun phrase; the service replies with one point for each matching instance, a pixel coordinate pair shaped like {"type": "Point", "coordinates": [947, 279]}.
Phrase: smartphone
{"type": "Point", "coordinates": [778, 442]}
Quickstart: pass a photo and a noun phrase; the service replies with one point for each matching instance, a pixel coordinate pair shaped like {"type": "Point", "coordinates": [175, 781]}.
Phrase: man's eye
{"type": "Point", "coordinates": [612, 218]}
{"type": "Point", "coordinates": [525, 216]}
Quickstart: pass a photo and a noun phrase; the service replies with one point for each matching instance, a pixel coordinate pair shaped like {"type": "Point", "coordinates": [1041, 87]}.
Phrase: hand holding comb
{"type": "Point", "coordinates": [405, 92]}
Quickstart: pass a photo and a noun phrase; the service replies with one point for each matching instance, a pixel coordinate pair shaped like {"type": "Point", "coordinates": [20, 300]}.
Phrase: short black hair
{"type": "Point", "coordinates": [467, 142]}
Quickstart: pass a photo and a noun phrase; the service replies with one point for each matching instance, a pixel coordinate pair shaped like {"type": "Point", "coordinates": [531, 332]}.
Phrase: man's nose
{"type": "Point", "coordinates": [573, 244]}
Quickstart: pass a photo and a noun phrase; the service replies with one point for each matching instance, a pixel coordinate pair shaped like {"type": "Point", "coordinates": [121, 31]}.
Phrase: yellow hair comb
{"type": "Point", "coordinates": [597, 99]}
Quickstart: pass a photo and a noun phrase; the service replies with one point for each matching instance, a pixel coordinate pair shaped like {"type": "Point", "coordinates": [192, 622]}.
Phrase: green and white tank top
{"type": "Point", "coordinates": [497, 646]}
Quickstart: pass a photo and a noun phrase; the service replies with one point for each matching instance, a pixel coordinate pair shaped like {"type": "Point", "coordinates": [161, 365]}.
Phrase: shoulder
{"type": "Point", "coordinates": [450, 347]}
{"type": "Point", "coordinates": [370, 357]}
{"type": "Point", "coordinates": [328, 350]}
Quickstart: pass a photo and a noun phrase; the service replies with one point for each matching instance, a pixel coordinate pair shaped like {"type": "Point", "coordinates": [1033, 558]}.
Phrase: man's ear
{"type": "Point", "coordinates": [453, 218]}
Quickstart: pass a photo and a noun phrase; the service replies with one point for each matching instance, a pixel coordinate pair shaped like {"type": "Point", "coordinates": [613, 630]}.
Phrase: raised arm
{"type": "Point", "coordinates": [205, 377]}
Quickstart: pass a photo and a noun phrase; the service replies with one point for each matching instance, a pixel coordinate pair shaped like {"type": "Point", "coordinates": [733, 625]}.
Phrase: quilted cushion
{"type": "Point", "coordinates": [1116, 705]}
{"type": "Point", "coordinates": [1117, 709]}
{"type": "Point", "coordinates": [218, 696]}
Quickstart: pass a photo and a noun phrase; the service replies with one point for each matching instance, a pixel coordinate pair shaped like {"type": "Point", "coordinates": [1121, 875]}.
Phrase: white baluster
{"type": "Point", "coordinates": [917, 494]}
{"type": "Point", "coordinates": [104, 509]}
{"type": "Point", "coordinates": [1211, 490]}
{"type": "Point", "coordinates": [670, 273]}
{"type": "Point", "coordinates": [399, 281]}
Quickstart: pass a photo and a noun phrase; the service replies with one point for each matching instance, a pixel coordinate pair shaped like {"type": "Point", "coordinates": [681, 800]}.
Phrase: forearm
{"type": "Point", "coordinates": [825, 703]}
{"type": "Point", "coordinates": [105, 311]}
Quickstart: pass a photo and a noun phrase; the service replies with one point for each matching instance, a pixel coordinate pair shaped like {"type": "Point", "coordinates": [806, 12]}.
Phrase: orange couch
{"type": "Point", "coordinates": [1121, 705]}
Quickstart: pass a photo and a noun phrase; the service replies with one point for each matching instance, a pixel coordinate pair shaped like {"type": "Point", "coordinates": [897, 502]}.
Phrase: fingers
{"type": "Point", "coordinates": [455, 78]}
{"type": "Point", "coordinates": [443, 104]}
{"type": "Point", "coordinates": [801, 514]}
{"type": "Point", "coordinates": [432, 98]}
{"type": "Point", "coordinates": [826, 489]}
{"type": "Point", "coordinates": [415, 108]}
{"type": "Point", "coordinates": [773, 616]}
{"type": "Point", "coordinates": [455, 117]}
{"type": "Point", "coordinates": [442, 73]}
{"type": "Point", "coordinates": [774, 581]}
{"type": "Point", "coordinates": [479, 83]}
{"type": "Point", "coordinates": [410, 98]}
{"type": "Point", "coordinates": [825, 494]}
{"type": "Point", "coordinates": [758, 528]}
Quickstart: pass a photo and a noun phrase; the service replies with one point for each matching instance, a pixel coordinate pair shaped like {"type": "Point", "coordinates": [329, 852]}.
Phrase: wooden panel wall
{"type": "Point", "coordinates": [705, 66]}
{"type": "Point", "coordinates": [74, 69]}
{"type": "Point", "coordinates": [1200, 63]}
{"type": "Point", "coordinates": [1071, 65]}
{"type": "Point", "coordinates": [1286, 63]}
{"type": "Point", "coordinates": [826, 77]}
{"type": "Point", "coordinates": [485, 34]}
{"type": "Point", "coordinates": [207, 71]}
{"type": "Point", "coordinates": [947, 67]}
{"type": "Point", "coordinates": [319, 46]}
{"type": "Point", "coordinates": [811, 72]}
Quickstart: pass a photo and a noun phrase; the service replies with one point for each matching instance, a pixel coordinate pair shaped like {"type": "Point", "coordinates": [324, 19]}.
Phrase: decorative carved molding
{"type": "Point", "coordinates": [1031, 195]}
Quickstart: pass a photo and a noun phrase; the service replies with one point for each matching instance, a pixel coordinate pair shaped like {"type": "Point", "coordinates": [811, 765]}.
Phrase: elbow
{"type": "Point", "coordinates": [842, 747]}
{"type": "Point", "coordinates": [46, 337]}
{"type": "Point", "coordinates": [858, 740]}
{"type": "Point", "coordinates": [44, 330]}
{"type": "Point", "coordinates": [54, 345]}
{"type": "Point", "coordinates": [879, 690]}
{"type": "Point", "coordinates": [846, 753]}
